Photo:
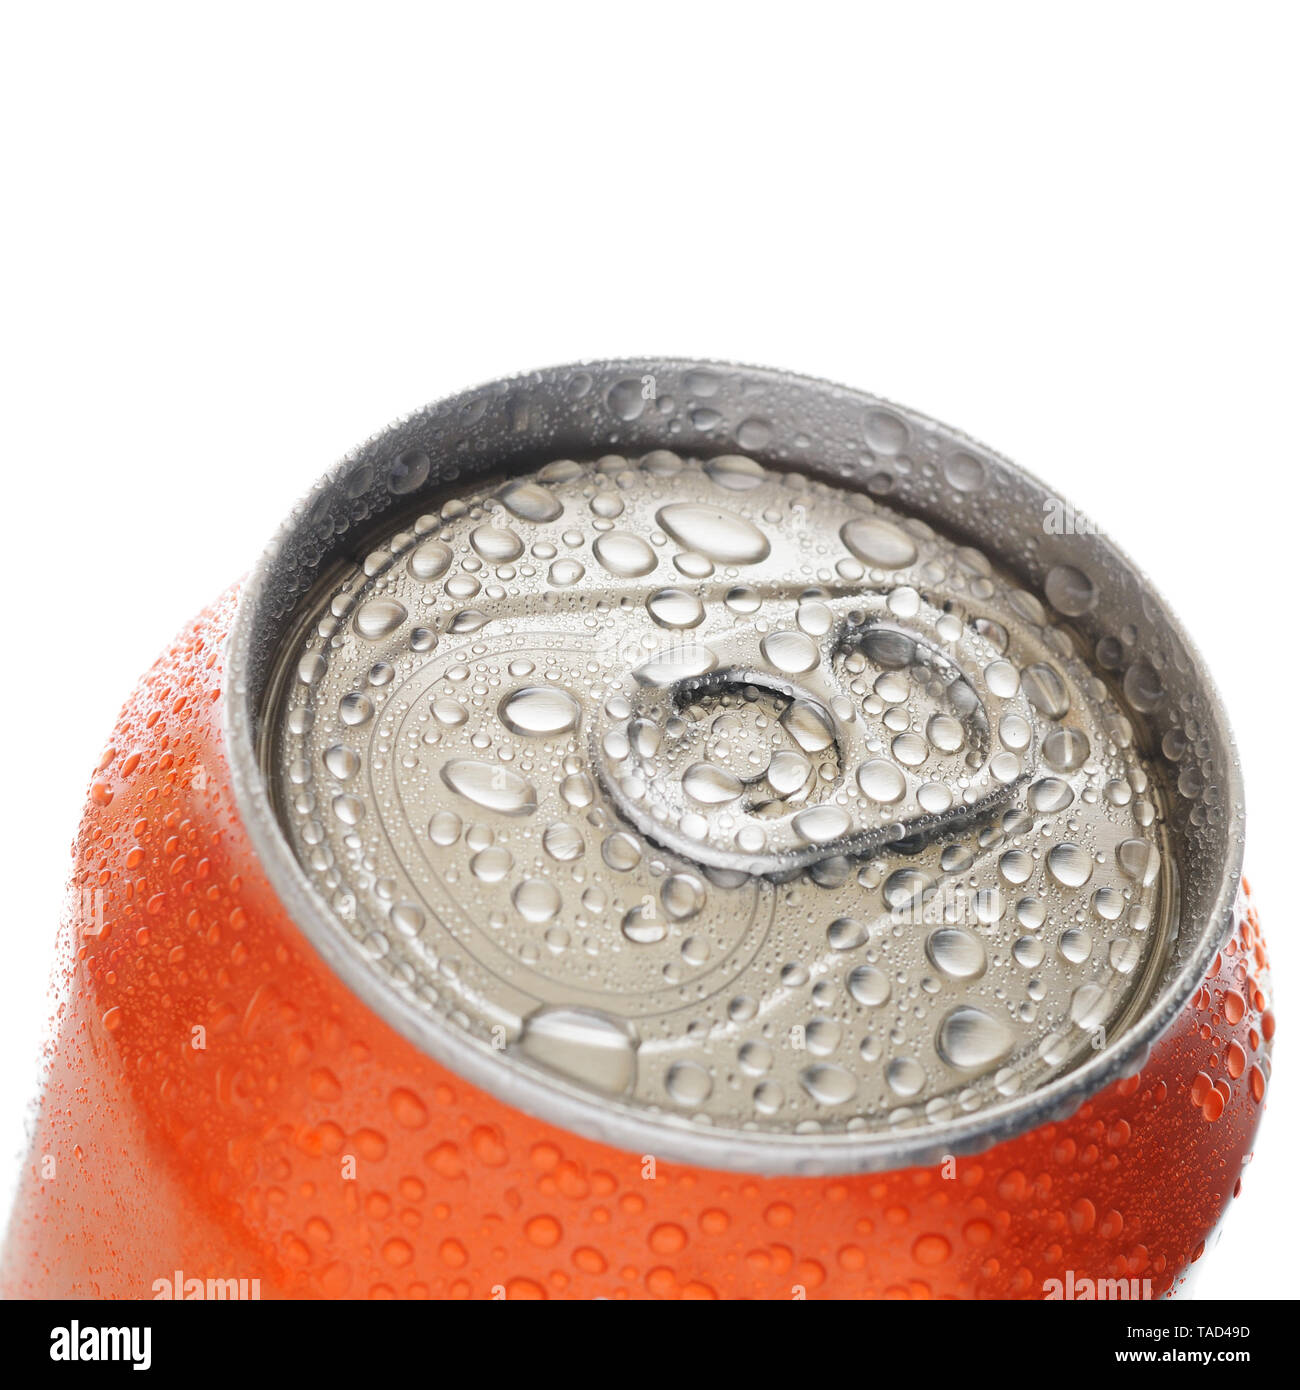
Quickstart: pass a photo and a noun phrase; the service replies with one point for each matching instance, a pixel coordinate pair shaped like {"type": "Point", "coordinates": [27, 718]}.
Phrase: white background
{"type": "Point", "coordinates": [239, 239]}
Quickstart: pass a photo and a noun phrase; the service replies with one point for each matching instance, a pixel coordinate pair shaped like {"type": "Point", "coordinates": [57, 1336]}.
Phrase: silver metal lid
{"type": "Point", "coordinates": [733, 767]}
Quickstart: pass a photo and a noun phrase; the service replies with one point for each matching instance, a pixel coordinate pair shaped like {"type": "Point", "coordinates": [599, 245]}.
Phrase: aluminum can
{"type": "Point", "coordinates": [657, 829]}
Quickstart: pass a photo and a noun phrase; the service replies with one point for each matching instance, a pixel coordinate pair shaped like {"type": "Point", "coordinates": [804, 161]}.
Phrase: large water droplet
{"type": "Point", "coordinates": [970, 1039]}
{"type": "Point", "coordinates": [878, 542]}
{"type": "Point", "coordinates": [711, 785]}
{"type": "Point", "coordinates": [828, 1084]}
{"type": "Point", "coordinates": [623, 554]}
{"type": "Point", "coordinates": [791, 652]}
{"type": "Point", "coordinates": [540, 710]}
{"type": "Point", "coordinates": [378, 618]}
{"type": "Point", "coordinates": [531, 502]}
{"type": "Point", "coordinates": [581, 1044]}
{"type": "Point", "coordinates": [956, 952]}
{"type": "Point", "coordinates": [491, 786]}
{"type": "Point", "coordinates": [725, 538]}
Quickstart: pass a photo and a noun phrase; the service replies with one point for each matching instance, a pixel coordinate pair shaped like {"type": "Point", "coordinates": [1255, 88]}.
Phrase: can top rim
{"type": "Point", "coordinates": [815, 426]}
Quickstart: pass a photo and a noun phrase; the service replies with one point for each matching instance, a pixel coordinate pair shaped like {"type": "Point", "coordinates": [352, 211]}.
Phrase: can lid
{"type": "Point", "coordinates": [733, 767]}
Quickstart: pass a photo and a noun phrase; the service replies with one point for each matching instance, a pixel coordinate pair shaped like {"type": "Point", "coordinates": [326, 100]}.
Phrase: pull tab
{"type": "Point", "coordinates": [768, 751]}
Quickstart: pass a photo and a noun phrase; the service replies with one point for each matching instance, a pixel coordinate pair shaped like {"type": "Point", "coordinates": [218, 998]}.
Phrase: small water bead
{"type": "Point", "coordinates": [1004, 767]}
{"type": "Point", "coordinates": [577, 790]}
{"type": "Point", "coordinates": [1143, 687]}
{"type": "Point", "coordinates": [905, 888]}
{"type": "Point", "coordinates": [993, 633]}
{"type": "Point", "coordinates": [990, 906]}
{"type": "Point", "coordinates": [956, 859]}
{"type": "Point", "coordinates": [470, 620]}
{"type": "Point", "coordinates": [768, 1098]}
{"type": "Point", "coordinates": [560, 471]}
{"type": "Point", "coordinates": [451, 714]}
{"type": "Point", "coordinates": [693, 566]}
{"type": "Point", "coordinates": [965, 472]}
{"type": "Point", "coordinates": [904, 602]}
{"type": "Point", "coordinates": [644, 737]}
{"type": "Point", "coordinates": [607, 505]}
{"type": "Point", "coordinates": [909, 749]}
{"type": "Point", "coordinates": [1118, 792]}
{"type": "Point", "coordinates": [676, 664]}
